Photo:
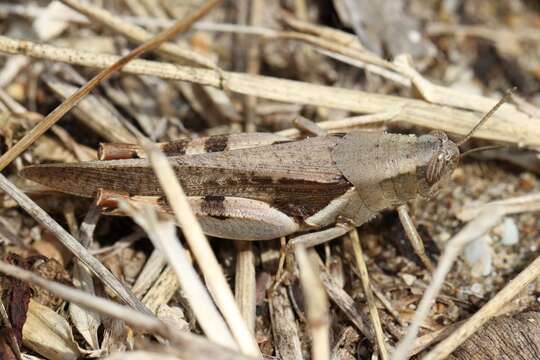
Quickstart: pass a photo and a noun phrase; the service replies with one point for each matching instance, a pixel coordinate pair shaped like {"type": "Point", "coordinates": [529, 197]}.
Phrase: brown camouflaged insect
{"type": "Point", "coordinates": [262, 186]}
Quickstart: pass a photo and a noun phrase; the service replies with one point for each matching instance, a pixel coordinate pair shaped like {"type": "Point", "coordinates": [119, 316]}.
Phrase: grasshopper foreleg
{"type": "Point", "coordinates": [414, 236]}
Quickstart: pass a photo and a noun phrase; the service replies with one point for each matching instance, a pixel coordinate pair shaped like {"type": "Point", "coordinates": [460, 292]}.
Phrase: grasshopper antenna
{"type": "Point", "coordinates": [483, 148]}
{"type": "Point", "coordinates": [487, 116]}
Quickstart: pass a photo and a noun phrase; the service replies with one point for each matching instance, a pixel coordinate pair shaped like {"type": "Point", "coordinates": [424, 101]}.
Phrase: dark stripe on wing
{"type": "Point", "coordinates": [216, 143]}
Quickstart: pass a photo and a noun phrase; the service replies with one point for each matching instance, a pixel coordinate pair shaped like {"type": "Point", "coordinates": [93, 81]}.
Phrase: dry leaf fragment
{"type": "Point", "coordinates": [87, 322]}
{"type": "Point", "coordinates": [49, 334]}
{"type": "Point", "coordinates": [6, 351]}
{"type": "Point", "coordinates": [54, 20]}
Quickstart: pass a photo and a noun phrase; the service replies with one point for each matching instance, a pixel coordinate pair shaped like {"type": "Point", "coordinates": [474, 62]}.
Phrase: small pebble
{"type": "Point", "coordinates": [408, 278]}
{"type": "Point", "coordinates": [478, 256]}
{"type": "Point", "coordinates": [477, 289]}
{"type": "Point", "coordinates": [510, 233]}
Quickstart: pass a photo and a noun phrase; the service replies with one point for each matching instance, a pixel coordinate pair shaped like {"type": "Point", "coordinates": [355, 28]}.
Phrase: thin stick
{"type": "Point", "coordinates": [525, 203]}
{"type": "Point", "coordinates": [364, 277]}
{"type": "Point", "coordinates": [163, 236]}
{"type": "Point", "coordinates": [186, 342]}
{"type": "Point", "coordinates": [473, 230]}
{"type": "Point", "coordinates": [347, 123]}
{"type": "Point", "coordinates": [343, 300]}
{"type": "Point", "coordinates": [309, 127]}
{"type": "Point", "coordinates": [216, 281]}
{"type": "Point", "coordinates": [515, 127]}
{"type": "Point", "coordinates": [138, 34]}
{"type": "Point", "coordinates": [316, 305]}
{"type": "Point", "coordinates": [489, 310]}
{"type": "Point", "coordinates": [245, 285]}
{"type": "Point", "coordinates": [72, 245]}
{"type": "Point", "coordinates": [74, 99]}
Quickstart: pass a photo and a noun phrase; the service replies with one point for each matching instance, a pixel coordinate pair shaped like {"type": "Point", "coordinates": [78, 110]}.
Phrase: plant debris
{"type": "Point", "coordinates": [76, 282]}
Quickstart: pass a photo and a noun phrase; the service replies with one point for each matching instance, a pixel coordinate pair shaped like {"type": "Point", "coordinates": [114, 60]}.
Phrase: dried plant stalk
{"type": "Point", "coordinates": [245, 286]}
{"type": "Point", "coordinates": [190, 346]}
{"type": "Point", "coordinates": [509, 125]}
{"type": "Point", "coordinates": [473, 230]}
{"type": "Point", "coordinates": [76, 97]}
{"type": "Point", "coordinates": [202, 251]}
{"type": "Point", "coordinates": [489, 310]}
{"type": "Point", "coordinates": [316, 305]}
{"type": "Point", "coordinates": [364, 277]}
{"type": "Point", "coordinates": [72, 245]}
{"type": "Point", "coordinates": [163, 235]}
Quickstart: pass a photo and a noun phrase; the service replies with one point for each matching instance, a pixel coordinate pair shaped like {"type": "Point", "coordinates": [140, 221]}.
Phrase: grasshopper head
{"type": "Point", "coordinates": [442, 163]}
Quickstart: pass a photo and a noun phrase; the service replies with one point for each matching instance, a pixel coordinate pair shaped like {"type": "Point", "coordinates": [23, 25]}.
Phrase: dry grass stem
{"type": "Point", "coordinates": [198, 243]}
{"type": "Point", "coordinates": [373, 311]}
{"type": "Point", "coordinates": [162, 290]}
{"type": "Point", "coordinates": [284, 326]}
{"type": "Point", "coordinates": [317, 307]}
{"type": "Point", "coordinates": [163, 236]}
{"type": "Point", "coordinates": [509, 124]}
{"type": "Point", "coordinates": [493, 34]}
{"type": "Point", "coordinates": [472, 231]}
{"type": "Point", "coordinates": [489, 310]}
{"type": "Point", "coordinates": [245, 285]}
{"type": "Point", "coordinates": [192, 346]}
{"type": "Point", "coordinates": [525, 203]}
{"type": "Point", "coordinates": [76, 97]}
{"type": "Point", "coordinates": [343, 300]}
{"type": "Point", "coordinates": [137, 34]}
{"type": "Point", "coordinates": [374, 69]}
{"type": "Point", "coordinates": [347, 123]}
{"type": "Point", "coordinates": [423, 342]}
{"type": "Point", "coordinates": [152, 268]}
{"type": "Point", "coordinates": [72, 245]}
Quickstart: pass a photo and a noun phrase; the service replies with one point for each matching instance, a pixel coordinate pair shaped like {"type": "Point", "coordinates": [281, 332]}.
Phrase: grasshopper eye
{"type": "Point", "coordinates": [444, 161]}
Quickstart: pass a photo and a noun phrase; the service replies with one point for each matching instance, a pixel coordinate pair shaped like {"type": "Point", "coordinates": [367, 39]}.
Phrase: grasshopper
{"type": "Point", "coordinates": [262, 186]}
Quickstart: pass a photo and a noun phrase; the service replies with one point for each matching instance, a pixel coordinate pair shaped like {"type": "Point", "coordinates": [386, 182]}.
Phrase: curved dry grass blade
{"type": "Point", "coordinates": [473, 230]}
{"type": "Point", "coordinates": [188, 345]}
{"type": "Point", "coordinates": [72, 245]}
{"type": "Point", "coordinates": [510, 125]}
{"type": "Point", "coordinates": [163, 236]}
{"type": "Point", "coordinates": [71, 101]}
{"type": "Point", "coordinates": [364, 277]}
{"type": "Point", "coordinates": [489, 310]}
{"type": "Point", "coordinates": [201, 249]}
{"type": "Point", "coordinates": [317, 307]}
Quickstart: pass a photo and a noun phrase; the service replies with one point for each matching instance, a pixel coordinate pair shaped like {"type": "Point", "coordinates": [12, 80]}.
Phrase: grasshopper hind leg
{"type": "Point", "coordinates": [241, 218]}
{"type": "Point", "coordinates": [225, 217]}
